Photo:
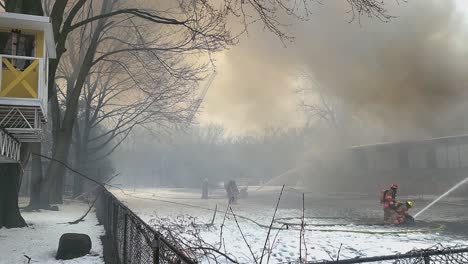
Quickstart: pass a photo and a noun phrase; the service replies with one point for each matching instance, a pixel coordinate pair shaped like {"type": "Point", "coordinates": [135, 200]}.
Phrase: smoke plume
{"type": "Point", "coordinates": [408, 74]}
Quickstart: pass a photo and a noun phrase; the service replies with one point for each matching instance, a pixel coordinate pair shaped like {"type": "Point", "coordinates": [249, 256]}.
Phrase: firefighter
{"type": "Point", "coordinates": [232, 191]}
{"type": "Point", "coordinates": [388, 198]}
{"type": "Point", "coordinates": [402, 215]}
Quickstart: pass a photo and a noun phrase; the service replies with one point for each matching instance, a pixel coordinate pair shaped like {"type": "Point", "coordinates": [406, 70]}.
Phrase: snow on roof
{"type": "Point", "coordinates": [31, 22]}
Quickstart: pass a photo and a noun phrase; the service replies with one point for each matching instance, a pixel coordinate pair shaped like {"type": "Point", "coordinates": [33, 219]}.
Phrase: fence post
{"type": "Point", "coordinates": [125, 238]}
{"type": "Point", "coordinates": [109, 216]}
{"type": "Point", "coordinates": [427, 259]}
{"type": "Point", "coordinates": [115, 219]}
{"type": "Point", "coordinates": [156, 248]}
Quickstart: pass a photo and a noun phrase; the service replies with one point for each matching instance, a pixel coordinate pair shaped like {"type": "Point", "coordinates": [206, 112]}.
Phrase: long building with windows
{"type": "Point", "coordinates": [419, 166]}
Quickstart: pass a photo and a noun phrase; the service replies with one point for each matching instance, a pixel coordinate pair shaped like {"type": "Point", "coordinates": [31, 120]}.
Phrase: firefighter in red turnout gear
{"type": "Point", "coordinates": [402, 213]}
{"type": "Point", "coordinates": [389, 202]}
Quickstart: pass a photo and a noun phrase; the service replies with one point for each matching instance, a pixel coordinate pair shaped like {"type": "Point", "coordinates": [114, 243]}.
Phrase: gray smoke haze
{"type": "Point", "coordinates": [408, 75]}
{"type": "Point", "coordinates": [253, 88]}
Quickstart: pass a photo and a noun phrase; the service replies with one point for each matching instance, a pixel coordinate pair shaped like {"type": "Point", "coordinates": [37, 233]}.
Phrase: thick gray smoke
{"type": "Point", "coordinates": [408, 74]}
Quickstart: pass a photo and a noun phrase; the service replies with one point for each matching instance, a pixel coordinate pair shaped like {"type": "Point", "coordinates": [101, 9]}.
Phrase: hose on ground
{"type": "Point", "coordinates": [284, 225]}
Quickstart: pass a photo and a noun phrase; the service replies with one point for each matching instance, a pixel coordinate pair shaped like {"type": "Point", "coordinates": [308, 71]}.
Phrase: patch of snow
{"type": "Point", "coordinates": [170, 203]}
{"type": "Point", "coordinates": [40, 239]}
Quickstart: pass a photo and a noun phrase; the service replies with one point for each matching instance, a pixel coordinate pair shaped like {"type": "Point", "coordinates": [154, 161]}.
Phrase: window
{"type": "Point", "coordinates": [5, 43]}
{"type": "Point", "coordinates": [18, 44]}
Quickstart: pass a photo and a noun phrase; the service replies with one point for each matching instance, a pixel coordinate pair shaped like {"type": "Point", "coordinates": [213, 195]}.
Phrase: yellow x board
{"type": "Point", "coordinates": [11, 78]}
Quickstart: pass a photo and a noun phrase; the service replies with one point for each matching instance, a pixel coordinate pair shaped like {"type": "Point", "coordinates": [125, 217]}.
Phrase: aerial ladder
{"type": "Point", "coordinates": [200, 99]}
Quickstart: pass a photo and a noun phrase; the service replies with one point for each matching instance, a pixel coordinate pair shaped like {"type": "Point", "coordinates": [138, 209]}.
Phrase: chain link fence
{"type": "Point", "coordinates": [132, 240]}
{"type": "Point", "coordinates": [435, 255]}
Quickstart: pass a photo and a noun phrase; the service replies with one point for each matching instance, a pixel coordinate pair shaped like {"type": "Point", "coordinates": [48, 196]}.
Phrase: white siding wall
{"type": "Point", "coordinates": [446, 157]}
{"type": "Point", "coordinates": [417, 158]}
{"type": "Point", "coordinates": [464, 155]}
{"type": "Point", "coordinates": [385, 160]}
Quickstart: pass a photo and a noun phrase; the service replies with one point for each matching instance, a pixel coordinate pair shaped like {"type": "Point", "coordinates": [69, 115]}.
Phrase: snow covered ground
{"type": "Point", "coordinates": [40, 239]}
{"type": "Point", "coordinates": [347, 214]}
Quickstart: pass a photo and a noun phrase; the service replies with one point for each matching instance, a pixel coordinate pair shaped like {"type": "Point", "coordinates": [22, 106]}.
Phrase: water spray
{"type": "Point", "coordinates": [441, 197]}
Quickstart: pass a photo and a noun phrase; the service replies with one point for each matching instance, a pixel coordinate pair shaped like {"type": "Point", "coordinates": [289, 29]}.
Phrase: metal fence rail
{"type": "Point", "coordinates": [456, 255]}
{"type": "Point", "coordinates": [133, 240]}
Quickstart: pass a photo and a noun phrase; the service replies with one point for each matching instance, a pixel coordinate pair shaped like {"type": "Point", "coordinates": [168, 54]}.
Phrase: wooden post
{"type": "Point", "coordinates": [427, 260]}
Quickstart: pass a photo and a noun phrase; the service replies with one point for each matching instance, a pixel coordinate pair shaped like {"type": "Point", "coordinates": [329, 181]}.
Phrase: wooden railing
{"type": "Point", "coordinates": [22, 77]}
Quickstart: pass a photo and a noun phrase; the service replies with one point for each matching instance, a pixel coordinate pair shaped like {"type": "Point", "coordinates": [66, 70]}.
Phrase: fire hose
{"type": "Point", "coordinates": [285, 225]}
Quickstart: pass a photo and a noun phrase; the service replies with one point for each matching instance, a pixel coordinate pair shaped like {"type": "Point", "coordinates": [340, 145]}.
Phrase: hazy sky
{"type": "Point", "coordinates": [256, 79]}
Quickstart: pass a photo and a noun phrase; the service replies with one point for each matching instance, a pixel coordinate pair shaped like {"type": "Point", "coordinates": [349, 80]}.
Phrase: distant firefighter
{"type": "Point", "coordinates": [205, 189]}
{"type": "Point", "coordinates": [232, 191]}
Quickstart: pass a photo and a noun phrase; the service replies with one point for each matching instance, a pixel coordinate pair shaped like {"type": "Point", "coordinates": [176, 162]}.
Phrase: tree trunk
{"type": "Point", "coordinates": [64, 134]}
{"type": "Point", "coordinates": [35, 201]}
{"type": "Point", "coordinates": [58, 197]}
{"type": "Point", "coordinates": [78, 181]}
{"type": "Point", "coordinates": [80, 159]}
{"type": "Point", "coordinates": [62, 147]}
{"type": "Point", "coordinates": [77, 185]}
{"type": "Point", "coordinates": [10, 215]}
{"type": "Point", "coordinates": [10, 182]}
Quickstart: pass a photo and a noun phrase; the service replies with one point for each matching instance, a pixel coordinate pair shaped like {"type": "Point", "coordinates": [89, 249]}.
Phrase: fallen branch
{"type": "Point", "coordinates": [339, 251]}
{"type": "Point", "coordinates": [271, 224]}
{"type": "Point", "coordinates": [218, 252]}
{"type": "Point", "coordinates": [270, 250]}
{"type": "Point", "coordinates": [302, 234]}
{"type": "Point", "coordinates": [87, 212]}
{"type": "Point", "coordinates": [242, 234]}
{"type": "Point", "coordinates": [214, 215]}
{"type": "Point", "coordinates": [93, 203]}
{"type": "Point", "coordinates": [103, 185]}
{"type": "Point", "coordinates": [225, 251]}
{"type": "Point", "coordinates": [96, 187]}
{"type": "Point", "coordinates": [221, 228]}
{"type": "Point", "coordinates": [183, 233]}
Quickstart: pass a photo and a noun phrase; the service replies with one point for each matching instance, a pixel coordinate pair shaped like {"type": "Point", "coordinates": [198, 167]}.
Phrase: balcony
{"type": "Point", "coordinates": [23, 96]}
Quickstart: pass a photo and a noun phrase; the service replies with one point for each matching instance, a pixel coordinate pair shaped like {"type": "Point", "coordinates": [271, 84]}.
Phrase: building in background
{"type": "Point", "coordinates": [429, 166]}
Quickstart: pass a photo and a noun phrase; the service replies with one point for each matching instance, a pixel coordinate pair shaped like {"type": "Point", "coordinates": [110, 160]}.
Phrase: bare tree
{"type": "Point", "coordinates": [191, 26]}
{"type": "Point", "coordinates": [320, 105]}
{"type": "Point", "coordinates": [116, 101]}
{"type": "Point", "coordinates": [189, 36]}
